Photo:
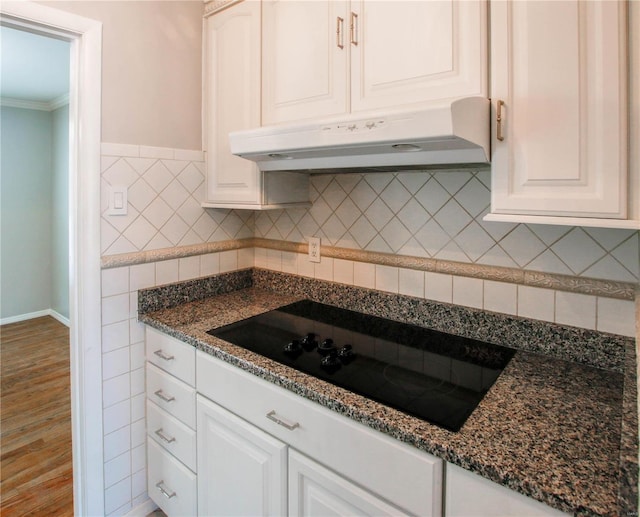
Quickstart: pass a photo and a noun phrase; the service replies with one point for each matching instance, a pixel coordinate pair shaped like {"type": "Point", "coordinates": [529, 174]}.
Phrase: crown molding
{"type": "Point", "coordinates": [51, 105]}
{"type": "Point", "coordinates": [215, 6]}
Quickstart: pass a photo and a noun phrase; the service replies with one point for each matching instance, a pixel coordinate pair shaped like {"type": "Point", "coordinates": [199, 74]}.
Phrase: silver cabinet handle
{"type": "Point", "coordinates": [160, 486]}
{"type": "Point", "coordinates": [271, 415]}
{"type": "Point", "coordinates": [164, 356]}
{"type": "Point", "coordinates": [161, 395]}
{"type": "Point", "coordinates": [164, 437]}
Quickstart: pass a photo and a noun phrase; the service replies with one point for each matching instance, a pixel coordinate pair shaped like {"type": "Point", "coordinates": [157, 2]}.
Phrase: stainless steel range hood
{"type": "Point", "coordinates": [454, 134]}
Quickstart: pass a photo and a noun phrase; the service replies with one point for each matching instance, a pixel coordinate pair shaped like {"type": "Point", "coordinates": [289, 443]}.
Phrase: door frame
{"type": "Point", "coordinates": [85, 37]}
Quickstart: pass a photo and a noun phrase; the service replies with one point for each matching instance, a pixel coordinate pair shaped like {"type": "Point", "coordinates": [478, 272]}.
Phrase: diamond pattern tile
{"type": "Point", "coordinates": [474, 197]}
{"type": "Point", "coordinates": [120, 173]}
{"type": "Point", "coordinates": [413, 215]}
{"type": "Point", "coordinates": [175, 194]}
{"type": "Point", "coordinates": [378, 214]}
{"type": "Point", "coordinates": [141, 194]}
{"type": "Point", "coordinates": [334, 195]}
{"type": "Point", "coordinates": [452, 218]}
{"type": "Point", "coordinates": [395, 195]}
{"type": "Point", "coordinates": [164, 206]}
{"type": "Point", "coordinates": [191, 178]}
{"type": "Point", "coordinates": [426, 214]}
{"type": "Point", "coordinates": [432, 196]}
{"type": "Point", "coordinates": [158, 213]}
{"type": "Point", "coordinates": [474, 241]}
{"type": "Point", "coordinates": [395, 234]}
{"type": "Point", "coordinates": [578, 250]}
{"type": "Point", "coordinates": [522, 245]}
{"type": "Point", "coordinates": [158, 176]}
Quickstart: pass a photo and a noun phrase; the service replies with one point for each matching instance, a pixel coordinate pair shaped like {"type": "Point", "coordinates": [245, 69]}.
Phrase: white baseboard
{"type": "Point", "coordinates": [143, 509]}
{"type": "Point", "coordinates": [62, 319]}
{"type": "Point", "coordinates": [37, 314]}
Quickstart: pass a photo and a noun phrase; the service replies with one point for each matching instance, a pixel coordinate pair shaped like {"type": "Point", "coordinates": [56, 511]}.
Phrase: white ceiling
{"type": "Point", "coordinates": [32, 67]}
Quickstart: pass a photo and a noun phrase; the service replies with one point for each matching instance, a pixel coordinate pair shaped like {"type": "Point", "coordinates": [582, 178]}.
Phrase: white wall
{"type": "Point", "coordinates": [151, 70]}
{"type": "Point", "coordinates": [25, 211]}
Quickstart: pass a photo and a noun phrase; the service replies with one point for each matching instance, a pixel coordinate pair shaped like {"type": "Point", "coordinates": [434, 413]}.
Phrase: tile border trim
{"type": "Point", "coordinates": [572, 284]}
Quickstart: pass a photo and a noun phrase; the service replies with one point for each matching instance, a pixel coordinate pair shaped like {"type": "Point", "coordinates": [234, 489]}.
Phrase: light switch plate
{"type": "Point", "coordinates": [117, 200]}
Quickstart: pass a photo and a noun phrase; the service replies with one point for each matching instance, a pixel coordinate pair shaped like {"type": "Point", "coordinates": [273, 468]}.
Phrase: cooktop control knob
{"type": "Point", "coordinates": [293, 348]}
{"type": "Point", "coordinates": [331, 362]}
{"type": "Point", "coordinates": [346, 353]}
{"type": "Point", "coordinates": [326, 346]}
{"type": "Point", "coordinates": [309, 341]}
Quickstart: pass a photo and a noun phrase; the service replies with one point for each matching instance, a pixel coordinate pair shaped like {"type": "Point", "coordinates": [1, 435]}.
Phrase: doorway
{"type": "Point", "coordinates": [85, 39]}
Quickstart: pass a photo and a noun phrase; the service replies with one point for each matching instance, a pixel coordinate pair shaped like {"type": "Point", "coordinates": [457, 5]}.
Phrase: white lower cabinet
{"type": "Point", "coordinates": [468, 494]}
{"type": "Point", "coordinates": [171, 424]}
{"type": "Point", "coordinates": [336, 466]}
{"type": "Point", "coordinates": [316, 491]}
{"type": "Point", "coordinates": [170, 484]}
{"type": "Point", "coordinates": [241, 469]}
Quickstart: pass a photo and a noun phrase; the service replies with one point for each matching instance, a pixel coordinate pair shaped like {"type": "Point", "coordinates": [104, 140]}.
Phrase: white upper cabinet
{"type": "Point", "coordinates": [408, 52]}
{"type": "Point", "coordinates": [324, 58]}
{"type": "Point", "coordinates": [559, 85]}
{"type": "Point", "coordinates": [232, 98]}
{"type": "Point", "coordinates": [304, 69]}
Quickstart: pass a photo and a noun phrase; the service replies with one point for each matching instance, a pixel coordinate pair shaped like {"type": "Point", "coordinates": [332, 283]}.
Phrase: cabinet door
{"type": "Point", "coordinates": [405, 52]}
{"type": "Point", "coordinates": [232, 100]}
{"type": "Point", "coordinates": [315, 491]}
{"type": "Point", "coordinates": [560, 69]}
{"type": "Point", "coordinates": [469, 494]}
{"type": "Point", "coordinates": [241, 469]}
{"type": "Point", "coordinates": [304, 70]}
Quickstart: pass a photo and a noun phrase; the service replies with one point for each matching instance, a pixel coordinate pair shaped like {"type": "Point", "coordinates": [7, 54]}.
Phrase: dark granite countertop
{"type": "Point", "coordinates": [559, 431]}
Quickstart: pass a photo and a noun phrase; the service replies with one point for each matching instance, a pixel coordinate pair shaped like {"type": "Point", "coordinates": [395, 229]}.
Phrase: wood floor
{"type": "Point", "coordinates": [35, 419]}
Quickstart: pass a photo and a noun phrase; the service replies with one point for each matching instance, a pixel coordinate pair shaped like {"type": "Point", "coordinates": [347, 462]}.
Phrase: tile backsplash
{"type": "Point", "coordinates": [165, 189]}
{"type": "Point", "coordinates": [439, 215]}
{"type": "Point", "coordinates": [436, 214]}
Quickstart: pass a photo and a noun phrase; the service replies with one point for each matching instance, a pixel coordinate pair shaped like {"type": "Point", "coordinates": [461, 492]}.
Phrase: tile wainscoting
{"type": "Point", "coordinates": [419, 234]}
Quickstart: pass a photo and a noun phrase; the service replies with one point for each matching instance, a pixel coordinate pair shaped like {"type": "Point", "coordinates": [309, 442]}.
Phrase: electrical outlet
{"type": "Point", "coordinates": [314, 249]}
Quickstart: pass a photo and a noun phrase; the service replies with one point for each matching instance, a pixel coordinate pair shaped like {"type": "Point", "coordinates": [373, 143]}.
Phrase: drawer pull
{"type": "Point", "coordinates": [271, 415]}
{"type": "Point", "coordinates": [164, 356]}
{"type": "Point", "coordinates": [163, 490]}
{"type": "Point", "coordinates": [164, 437]}
{"type": "Point", "coordinates": [162, 396]}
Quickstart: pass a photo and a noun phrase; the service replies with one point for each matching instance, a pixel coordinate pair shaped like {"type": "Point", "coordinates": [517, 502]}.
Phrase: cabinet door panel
{"type": "Point", "coordinates": [241, 469]}
{"type": "Point", "coordinates": [315, 491]}
{"type": "Point", "coordinates": [408, 52]}
{"type": "Point", "coordinates": [232, 97]}
{"type": "Point", "coordinates": [304, 70]}
{"type": "Point", "coordinates": [559, 67]}
{"type": "Point", "coordinates": [468, 494]}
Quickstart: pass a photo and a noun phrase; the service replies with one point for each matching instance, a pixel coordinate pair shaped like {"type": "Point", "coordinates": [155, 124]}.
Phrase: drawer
{"type": "Point", "coordinates": [172, 355]}
{"type": "Point", "coordinates": [401, 474]}
{"type": "Point", "coordinates": [172, 395]}
{"type": "Point", "coordinates": [172, 486]}
{"type": "Point", "coordinates": [172, 435]}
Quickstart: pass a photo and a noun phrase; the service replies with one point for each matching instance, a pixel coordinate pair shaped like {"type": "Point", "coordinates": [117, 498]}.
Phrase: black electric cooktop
{"type": "Point", "coordinates": [435, 376]}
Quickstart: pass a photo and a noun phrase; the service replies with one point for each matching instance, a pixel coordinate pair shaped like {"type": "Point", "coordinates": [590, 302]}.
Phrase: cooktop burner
{"type": "Point", "coordinates": [432, 375]}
